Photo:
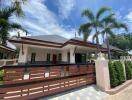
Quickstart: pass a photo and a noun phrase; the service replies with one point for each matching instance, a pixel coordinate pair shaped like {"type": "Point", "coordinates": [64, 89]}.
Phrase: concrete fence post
{"type": "Point", "coordinates": [102, 73]}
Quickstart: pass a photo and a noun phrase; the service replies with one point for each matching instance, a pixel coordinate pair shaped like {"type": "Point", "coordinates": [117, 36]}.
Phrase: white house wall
{"type": "Point", "coordinates": [23, 57]}
{"type": "Point", "coordinates": [41, 54]}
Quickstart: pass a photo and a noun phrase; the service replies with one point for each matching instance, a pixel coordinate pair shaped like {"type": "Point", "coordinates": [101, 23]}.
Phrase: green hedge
{"type": "Point", "coordinates": [116, 73]}
{"type": "Point", "coordinates": [128, 66]}
{"type": "Point", "coordinates": [1, 75]}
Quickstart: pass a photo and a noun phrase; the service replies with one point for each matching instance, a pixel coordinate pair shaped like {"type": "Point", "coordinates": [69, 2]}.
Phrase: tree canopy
{"type": "Point", "coordinates": [122, 41]}
{"type": "Point", "coordinates": [5, 24]}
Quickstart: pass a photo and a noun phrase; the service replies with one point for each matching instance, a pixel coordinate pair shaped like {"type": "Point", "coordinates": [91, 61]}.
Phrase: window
{"type": "Point", "coordinates": [68, 57]}
{"type": "Point", "coordinates": [48, 57]}
{"type": "Point", "coordinates": [60, 57]}
{"type": "Point", "coordinates": [1, 55]}
{"type": "Point", "coordinates": [33, 56]}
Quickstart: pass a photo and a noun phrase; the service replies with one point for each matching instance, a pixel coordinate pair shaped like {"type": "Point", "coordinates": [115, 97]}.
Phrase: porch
{"type": "Point", "coordinates": [49, 55]}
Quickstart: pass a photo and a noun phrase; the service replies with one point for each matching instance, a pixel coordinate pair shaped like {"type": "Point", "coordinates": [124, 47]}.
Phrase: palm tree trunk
{"type": "Point", "coordinates": [97, 41]}
{"type": "Point", "coordinates": [108, 46]}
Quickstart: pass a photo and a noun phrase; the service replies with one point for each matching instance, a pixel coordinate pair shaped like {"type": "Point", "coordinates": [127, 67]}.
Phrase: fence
{"type": "Point", "coordinates": [29, 82]}
{"type": "Point", "coordinates": [4, 62]}
{"type": "Point", "coordinates": [126, 58]}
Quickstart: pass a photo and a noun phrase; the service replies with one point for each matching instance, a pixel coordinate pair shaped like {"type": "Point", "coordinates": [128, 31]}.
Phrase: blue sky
{"type": "Point", "coordinates": [63, 17]}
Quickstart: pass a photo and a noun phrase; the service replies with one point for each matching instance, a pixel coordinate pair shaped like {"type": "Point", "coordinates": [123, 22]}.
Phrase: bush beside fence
{"type": "Point", "coordinates": [128, 67]}
{"type": "Point", "coordinates": [1, 75]}
{"type": "Point", "coordinates": [116, 71]}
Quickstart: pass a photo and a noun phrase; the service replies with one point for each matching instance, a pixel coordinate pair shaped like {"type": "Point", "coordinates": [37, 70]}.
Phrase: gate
{"type": "Point", "coordinates": [35, 81]}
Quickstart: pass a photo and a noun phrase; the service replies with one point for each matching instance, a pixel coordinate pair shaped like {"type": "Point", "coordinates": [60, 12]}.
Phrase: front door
{"type": "Point", "coordinates": [54, 58]}
{"type": "Point", "coordinates": [80, 58]}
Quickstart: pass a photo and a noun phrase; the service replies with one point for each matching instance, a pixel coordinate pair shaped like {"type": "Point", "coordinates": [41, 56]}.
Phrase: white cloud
{"type": "Point", "coordinates": [40, 20]}
{"type": "Point", "coordinates": [15, 33]}
{"type": "Point", "coordinates": [65, 7]}
{"type": "Point", "coordinates": [128, 18]}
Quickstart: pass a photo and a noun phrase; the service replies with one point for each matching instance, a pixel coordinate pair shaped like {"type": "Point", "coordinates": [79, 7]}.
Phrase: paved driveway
{"type": "Point", "coordinates": [87, 93]}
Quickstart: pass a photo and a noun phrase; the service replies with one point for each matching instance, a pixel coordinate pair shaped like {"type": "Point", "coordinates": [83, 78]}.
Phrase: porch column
{"type": "Point", "coordinates": [64, 56]}
{"type": "Point", "coordinates": [23, 56]}
{"type": "Point", "coordinates": [72, 55]}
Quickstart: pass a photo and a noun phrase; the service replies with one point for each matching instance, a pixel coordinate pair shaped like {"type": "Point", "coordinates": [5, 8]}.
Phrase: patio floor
{"type": "Point", "coordinates": [85, 93]}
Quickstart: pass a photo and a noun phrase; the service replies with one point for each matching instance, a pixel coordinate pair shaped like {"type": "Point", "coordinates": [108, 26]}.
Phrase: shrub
{"type": "Point", "coordinates": [116, 73]}
{"type": "Point", "coordinates": [128, 66]}
{"type": "Point", "coordinates": [1, 75]}
{"type": "Point", "coordinates": [113, 76]}
{"type": "Point", "coordinates": [119, 71]}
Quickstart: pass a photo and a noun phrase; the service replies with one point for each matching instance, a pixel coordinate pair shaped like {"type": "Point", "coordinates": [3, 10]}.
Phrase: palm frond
{"type": "Point", "coordinates": [123, 25]}
{"type": "Point", "coordinates": [88, 13]}
{"type": "Point", "coordinates": [85, 36]}
{"type": "Point", "coordinates": [109, 19]}
{"type": "Point", "coordinates": [18, 7]}
{"type": "Point", "coordinates": [5, 13]}
{"type": "Point", "coordinates": [17, 26]}
{"type": "Point", "coordinates": [119, 25]}
{"type": "Point", "coordinates": [101, 11]}
{"type": "Point", "coordinates": [3, 23]}
{"type": "Point", "coordinates": [84, 28]}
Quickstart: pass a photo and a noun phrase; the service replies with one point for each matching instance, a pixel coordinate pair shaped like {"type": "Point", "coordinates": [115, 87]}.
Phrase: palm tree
{"type": "Point", "coordinates": [5, 24]}
{"type": "Point", "coordinates": [94, 22]}
{"type": "Point", "coordinates": [17, 4]}
{"type": "Point", "coordinates": [110, 23]}
{"type": "Point", "coordinates": [85, 30]}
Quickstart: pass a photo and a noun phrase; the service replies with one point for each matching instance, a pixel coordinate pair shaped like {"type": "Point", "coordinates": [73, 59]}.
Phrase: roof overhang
{"type": "Point", "coordinates": [5, 48]}
{"type": "Point", "coordinates": [29, 41]}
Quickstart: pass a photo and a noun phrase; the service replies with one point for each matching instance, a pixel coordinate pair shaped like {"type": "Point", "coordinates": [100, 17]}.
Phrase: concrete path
{"type": "Point", "coordinates": [125, 94]}
{"type": "Point", "coordinates": [87, 93]}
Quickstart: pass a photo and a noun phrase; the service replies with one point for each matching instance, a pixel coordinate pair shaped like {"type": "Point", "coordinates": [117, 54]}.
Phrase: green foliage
{"type": "Point", "coordinates": [17, 4]}
{"type": "Point", "coordinates": [116, 73]}
{"type": "Point", "coordinates": [113, 76]}
{"type": "Point", "coordinates": [128, 65]}
{"type": "Point", "coordinates": [93, 23]}
{"type": "Point", "coordinates": [6, 25]}
{"type": "Point", "coordinates": [1, 75]}
{"type": "Point", "coordinates": [120, 71]}
{"type": "Point", "coordinates": [122, 41]}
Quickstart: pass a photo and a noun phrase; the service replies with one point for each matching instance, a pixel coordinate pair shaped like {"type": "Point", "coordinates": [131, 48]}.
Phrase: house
{"type": "Point", "coordinates": [54, 49]}
{"type": "Point", "coordinates": [115, 52]}
{"type": "Point", "coordinates": [7, 52]}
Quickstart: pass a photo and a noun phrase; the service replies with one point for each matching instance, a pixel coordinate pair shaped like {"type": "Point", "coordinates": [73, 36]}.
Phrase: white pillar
{"type": "Point", "coordinates": [23, 57]}
{"type": "Point", "coordinates": [72, 55]}
{"type": "Point", "coordinates": [64, 55]}
{"type": "Point", "coordinates": [102, 73]}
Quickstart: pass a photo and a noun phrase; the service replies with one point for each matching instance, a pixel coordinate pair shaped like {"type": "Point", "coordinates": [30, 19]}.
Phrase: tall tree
{"type": "Point", "coordinates": [17, 4]}
{"type": "Point", "coordinates": [94, 22]}
{"type": "Point", "coordinates": [122, 41]}
{"type": "Point", "coordinates": [110, 23]}
{"type": "Point", "coordinates": [5, 24]}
